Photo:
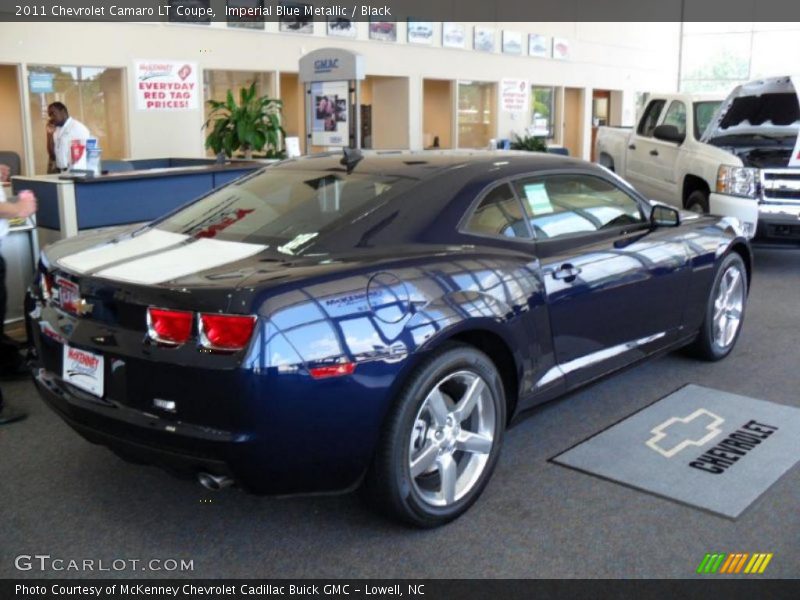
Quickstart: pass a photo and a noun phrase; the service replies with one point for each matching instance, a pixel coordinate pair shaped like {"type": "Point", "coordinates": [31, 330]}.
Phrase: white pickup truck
{"type": "Point", "coordinates": [734, 157]}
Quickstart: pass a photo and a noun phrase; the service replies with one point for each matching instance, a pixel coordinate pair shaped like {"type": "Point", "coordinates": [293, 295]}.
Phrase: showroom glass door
{"type": "Point", "coordinates": [477, 113]}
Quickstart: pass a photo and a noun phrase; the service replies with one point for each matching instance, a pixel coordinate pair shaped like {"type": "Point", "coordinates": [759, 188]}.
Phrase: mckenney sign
{"type": "Point", "coordinates": [166, 85]}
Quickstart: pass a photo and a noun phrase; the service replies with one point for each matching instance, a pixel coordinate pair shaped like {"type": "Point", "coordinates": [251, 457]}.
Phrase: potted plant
{"type": "Point", "coordinates": [529, 143]}
{"type": "Point", "coordinates": [253, 124]}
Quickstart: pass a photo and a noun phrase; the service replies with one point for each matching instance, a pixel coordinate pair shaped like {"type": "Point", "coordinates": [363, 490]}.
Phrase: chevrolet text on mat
{"type": "Point", "coordinates": [374, 320]}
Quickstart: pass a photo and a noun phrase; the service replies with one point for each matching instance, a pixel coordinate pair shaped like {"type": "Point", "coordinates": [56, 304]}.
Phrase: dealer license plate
{"type": "Point", "coordinates": [84, 370]}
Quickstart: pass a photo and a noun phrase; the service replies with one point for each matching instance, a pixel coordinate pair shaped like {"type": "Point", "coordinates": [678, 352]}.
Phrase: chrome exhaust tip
{"type": "Point", "coordinates": [214, 483]}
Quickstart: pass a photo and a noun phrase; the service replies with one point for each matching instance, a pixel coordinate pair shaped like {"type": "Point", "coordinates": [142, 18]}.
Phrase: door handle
{"type": "Point", "coordinates": [653, 152]}
{"type": "Point", "coordinates": [631, 146]}
{"type": "Point", "coordinates": [566, 272]}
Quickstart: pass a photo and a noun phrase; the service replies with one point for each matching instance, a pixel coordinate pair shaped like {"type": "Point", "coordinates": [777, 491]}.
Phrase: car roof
{"type": "Point", "coordinates": [426, 164]}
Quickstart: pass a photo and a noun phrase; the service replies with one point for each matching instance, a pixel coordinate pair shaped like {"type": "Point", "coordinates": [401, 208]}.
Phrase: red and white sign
{"type": "Point", "coordinates": [69, 294]}
{"type": "Point", "coordinates": [166, 85]}
{"type": "Point", "coordinates": [514, 95]}
{"type": "Point", "coordinates": [84, 370]}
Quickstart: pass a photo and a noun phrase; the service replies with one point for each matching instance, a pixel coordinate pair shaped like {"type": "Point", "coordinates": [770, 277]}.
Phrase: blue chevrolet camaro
{"type": "Point", "coordinates": [376, 321]}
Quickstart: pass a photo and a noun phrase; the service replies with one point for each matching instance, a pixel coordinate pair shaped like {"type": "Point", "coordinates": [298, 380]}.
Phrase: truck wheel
{"type": "Point", "coordinates": [724, 310]}
{"type": "Point", "coordinates": [698, 202]}
{"type": "Point", "coordinates": [441, 442]}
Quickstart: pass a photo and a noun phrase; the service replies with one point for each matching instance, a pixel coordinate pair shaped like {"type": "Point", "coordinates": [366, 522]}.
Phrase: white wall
{"type": "Point", "coordinates": [620, 56]}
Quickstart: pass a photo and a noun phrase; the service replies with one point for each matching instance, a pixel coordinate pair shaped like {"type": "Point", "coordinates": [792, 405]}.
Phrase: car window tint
{"type": "Point", "coordinates": [676, 116]}
{"type": "Point", "coordinates": [286, 208]}
{"type": "Point", "coordinates": [650, 118]}
{"type": "Point", "coordinates": [565, 205]}
{"type": "Point", "coordinates": [500, 214]}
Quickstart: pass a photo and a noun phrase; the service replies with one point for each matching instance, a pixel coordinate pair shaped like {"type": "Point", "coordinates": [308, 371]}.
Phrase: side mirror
{"type": "Point", "coordinates": [669, 133]}
{"type": "Point", "coordinates": [665, 216]}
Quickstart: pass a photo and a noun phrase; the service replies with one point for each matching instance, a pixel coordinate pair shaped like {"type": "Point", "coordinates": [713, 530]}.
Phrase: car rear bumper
{"type": "Point", "coordinates": [140, 437]}
{"type": "Point", "coordinates": [272, 432]}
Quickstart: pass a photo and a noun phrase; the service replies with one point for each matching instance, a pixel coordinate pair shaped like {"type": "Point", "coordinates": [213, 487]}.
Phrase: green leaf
{"type": "Point", "coordinates": [254, 122]}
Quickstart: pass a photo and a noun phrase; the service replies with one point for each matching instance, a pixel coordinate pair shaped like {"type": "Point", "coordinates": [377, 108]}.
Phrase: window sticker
{"type": "Point", "coordinates": [538, 200]}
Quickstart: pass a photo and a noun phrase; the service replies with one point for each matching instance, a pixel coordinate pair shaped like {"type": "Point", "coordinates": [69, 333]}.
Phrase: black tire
{"type": "Point", "coordinates": [706, 345]}
{"type": "Point", "coordinates": [698, 202]}
{"type": "Point", "coordinates": [388, 486]}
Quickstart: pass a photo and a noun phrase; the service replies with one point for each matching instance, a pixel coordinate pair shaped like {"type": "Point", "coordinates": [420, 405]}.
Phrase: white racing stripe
{"type": "Point", "coordinates": [105, 254]}
{"type": "Point", "coordinates": [181, 261]}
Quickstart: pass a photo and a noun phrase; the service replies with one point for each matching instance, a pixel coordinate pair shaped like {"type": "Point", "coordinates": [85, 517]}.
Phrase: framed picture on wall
{"type": "Point", "coordinates": [561, 48]}
{"type": "Point", "coordinates": [420, 32]}
{"type": "Point", "coordinates": [243, 21]}
{"type": "Point", "coordinates": [383, 31]}
{"type": "Point", "coordinates": [539, 45]}
{"type": "Point", "coordinates": [300, 24]}
{"type": "Point", "coordinates": [339, 27]}
{"type": "Point", "coordinates": [454, 35]}
{"type": "Point", "coordinates": [512, 42]}
{"type": "Point", "coordinates": [484, 39]}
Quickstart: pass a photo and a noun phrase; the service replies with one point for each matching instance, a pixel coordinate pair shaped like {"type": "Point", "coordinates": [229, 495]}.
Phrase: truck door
{"type": "Point", "coordinates": [664, 157]}
{"type": "Point", "coordinates": [638, 170]}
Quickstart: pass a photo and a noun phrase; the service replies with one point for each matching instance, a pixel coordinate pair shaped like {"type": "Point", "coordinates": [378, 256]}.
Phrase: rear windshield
{"type": "Point", "coordinates": [285, 208]}
{"type": "Point", "coordinates": [758, 117]}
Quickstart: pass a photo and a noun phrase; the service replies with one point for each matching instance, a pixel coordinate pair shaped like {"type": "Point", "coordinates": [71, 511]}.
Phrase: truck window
{"type": "Point", "coordinates": [703, 113]}
{"type": "Point", "coordinates": [676, 115]}
{"type": "Point", "coordinates": [650, 118]}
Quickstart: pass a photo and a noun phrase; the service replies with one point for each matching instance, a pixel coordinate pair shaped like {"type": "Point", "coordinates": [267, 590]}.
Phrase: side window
{"type": "Point", "coordinates": [676, 115]}
{"type": "Point", "coordinates": [500, 214]}
{"type": "Point", "coordinates": [569, 205]}
{"type": "Point", "coordinates": [650, 118]}
{"type": "Point", "coordinates": [703, 113]}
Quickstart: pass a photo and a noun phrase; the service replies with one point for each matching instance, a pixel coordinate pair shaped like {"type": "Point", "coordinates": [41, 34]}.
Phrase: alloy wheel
{"type": "Point", "coordinates": [452, 438]}
{"type": "Point", "coordinates": [728, 307]}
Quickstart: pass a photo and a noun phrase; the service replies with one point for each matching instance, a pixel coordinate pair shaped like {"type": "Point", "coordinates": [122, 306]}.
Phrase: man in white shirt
{"type": "Point", "coordinates": [61, 130]}
{"type": "Point", "coordinates": [23, 207]}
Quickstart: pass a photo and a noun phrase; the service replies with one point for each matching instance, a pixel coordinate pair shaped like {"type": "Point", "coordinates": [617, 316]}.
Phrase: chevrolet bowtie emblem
{"type": "Point", "coordinates": [82, 307]}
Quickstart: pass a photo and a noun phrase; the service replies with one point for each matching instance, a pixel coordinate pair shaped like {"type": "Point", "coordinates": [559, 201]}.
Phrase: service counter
{"type": "Point", "coordinates": [149, 189]}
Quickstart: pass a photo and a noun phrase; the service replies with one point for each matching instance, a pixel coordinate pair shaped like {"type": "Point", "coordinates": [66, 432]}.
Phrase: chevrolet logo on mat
{"type": "Point", "coordinates": [667, 443]}
{"type": "Point", "coordinates": [734, 564]}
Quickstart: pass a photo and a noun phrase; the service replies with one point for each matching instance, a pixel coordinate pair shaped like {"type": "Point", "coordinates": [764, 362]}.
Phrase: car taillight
{"type": "Point", "coordinates": [332, 370]}
{"type": "Point", "coordinates": [172, 327]}
{"type": "Point", "coordinates": [226, 332]}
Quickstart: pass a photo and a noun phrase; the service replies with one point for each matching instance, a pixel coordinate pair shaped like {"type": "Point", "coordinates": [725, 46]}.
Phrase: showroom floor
{"type": "Point", "coordinates": [61, 496]}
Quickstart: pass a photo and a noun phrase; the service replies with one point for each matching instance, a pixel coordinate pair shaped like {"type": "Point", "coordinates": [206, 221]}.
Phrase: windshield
{"type": "Point", "coordinates": [285, 208]}
{"type": "Point", "coordinates": [703, 113]}
{"type": "Point", "coordinates": [758, 116]}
